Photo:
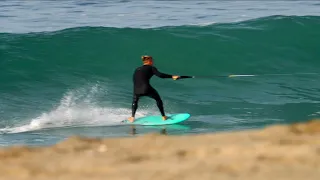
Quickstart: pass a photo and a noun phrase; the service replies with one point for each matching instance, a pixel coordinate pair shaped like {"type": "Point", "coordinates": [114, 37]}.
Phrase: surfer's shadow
{"type": "Point", "coordinates": [134, 131]}
{"type": "Point", "coordinates": [163, 130]}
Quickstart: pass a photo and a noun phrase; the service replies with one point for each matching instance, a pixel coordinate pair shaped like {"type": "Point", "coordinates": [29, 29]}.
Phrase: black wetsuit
{"type": "Point", "coordinates": [142, 87]}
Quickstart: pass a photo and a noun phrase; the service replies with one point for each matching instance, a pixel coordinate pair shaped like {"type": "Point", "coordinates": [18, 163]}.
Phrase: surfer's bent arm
{"type": "Point", "coordinates": [160, 74]}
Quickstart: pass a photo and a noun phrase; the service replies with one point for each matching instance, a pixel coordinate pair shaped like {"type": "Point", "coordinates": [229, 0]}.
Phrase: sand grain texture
{"type": "Point", "coordinates": [276, 152]}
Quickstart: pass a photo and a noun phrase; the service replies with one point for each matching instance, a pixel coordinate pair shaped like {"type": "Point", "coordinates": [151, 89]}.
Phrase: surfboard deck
{"type": "Point", "coordinates": [154, 120]}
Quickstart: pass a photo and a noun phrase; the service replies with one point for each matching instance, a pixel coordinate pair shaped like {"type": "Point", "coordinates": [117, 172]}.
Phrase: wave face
{"type": "Point", "coordinates": [82, 76]}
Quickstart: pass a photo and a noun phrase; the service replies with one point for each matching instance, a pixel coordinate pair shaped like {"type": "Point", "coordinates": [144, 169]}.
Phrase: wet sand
{"type": "Point", "coordinates": [275, 152]}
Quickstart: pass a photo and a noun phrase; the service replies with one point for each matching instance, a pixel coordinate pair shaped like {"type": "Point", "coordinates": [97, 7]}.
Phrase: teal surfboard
{"type": "Point", "coordinates": [157, 119]}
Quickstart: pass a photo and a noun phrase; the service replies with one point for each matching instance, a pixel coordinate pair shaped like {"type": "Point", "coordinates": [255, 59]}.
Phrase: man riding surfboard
{"type": "Point", "coordinates": [142, 87]}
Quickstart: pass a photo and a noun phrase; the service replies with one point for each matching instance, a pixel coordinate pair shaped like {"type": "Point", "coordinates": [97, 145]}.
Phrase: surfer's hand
{"type": "Point", "coordinates": [175, 77]}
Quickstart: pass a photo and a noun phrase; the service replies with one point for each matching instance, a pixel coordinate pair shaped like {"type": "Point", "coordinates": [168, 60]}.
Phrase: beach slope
{"type": "Point", "coordinates": [277, 152]}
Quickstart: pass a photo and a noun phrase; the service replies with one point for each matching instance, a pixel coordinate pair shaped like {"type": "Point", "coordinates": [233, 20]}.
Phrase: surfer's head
{"type": "Point", "coordinates": [147, 60]}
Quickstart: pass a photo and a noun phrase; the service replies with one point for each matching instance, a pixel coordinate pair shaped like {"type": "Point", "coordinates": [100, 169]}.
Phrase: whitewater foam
{"type": "Point", "coordinates": [77, 108]}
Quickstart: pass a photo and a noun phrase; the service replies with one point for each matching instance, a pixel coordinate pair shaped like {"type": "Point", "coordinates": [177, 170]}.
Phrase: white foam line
{"type": "Point", "coordinates": [77, 109]}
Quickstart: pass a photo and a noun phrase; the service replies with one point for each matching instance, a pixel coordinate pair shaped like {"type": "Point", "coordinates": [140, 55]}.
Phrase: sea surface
{"type": "Point", "coordinates": [66, 66]}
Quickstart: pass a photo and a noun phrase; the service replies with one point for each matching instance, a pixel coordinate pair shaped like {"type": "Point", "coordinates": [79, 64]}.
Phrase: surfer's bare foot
{"type": "Point", "coordinates": [131, 119]}
{"type": "Point", "coordinates": [164, 118]}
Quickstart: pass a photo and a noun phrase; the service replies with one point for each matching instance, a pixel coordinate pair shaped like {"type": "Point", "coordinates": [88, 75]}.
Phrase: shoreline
{"type": "Point", "coordinates": [274, 152]}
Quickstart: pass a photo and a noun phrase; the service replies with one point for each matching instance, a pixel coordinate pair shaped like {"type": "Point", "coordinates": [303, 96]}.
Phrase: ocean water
{"type": "Point", "coordinates": [66, 66]}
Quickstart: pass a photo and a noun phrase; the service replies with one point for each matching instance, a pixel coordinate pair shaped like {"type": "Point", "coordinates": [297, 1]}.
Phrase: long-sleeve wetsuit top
{"type": "Point", "coordinates": [142, 76]}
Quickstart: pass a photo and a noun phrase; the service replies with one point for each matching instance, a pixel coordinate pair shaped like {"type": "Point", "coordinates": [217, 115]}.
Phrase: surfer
{"type": "Point", "coordinates": [142, 87]}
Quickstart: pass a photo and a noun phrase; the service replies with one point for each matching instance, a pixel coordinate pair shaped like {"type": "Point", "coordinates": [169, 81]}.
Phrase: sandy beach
{"type": "Point", "coordinates": [275, 152]}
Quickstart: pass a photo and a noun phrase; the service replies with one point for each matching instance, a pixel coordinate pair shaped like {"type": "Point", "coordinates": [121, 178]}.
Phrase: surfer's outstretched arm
{"type": "Point", "coordinates": [163, 75]}
{"type": "Point", "coordinates": [160, 74]}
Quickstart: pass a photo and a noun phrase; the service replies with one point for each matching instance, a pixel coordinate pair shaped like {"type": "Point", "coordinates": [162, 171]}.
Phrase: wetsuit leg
{"type": "Point", "coordinates": [155, 95]}
{"type": "Point", "coordinates": [135, 100]}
